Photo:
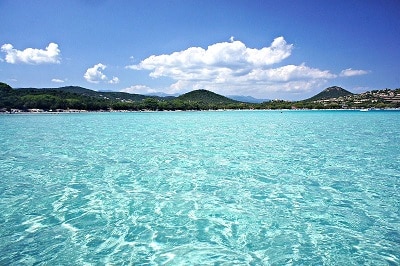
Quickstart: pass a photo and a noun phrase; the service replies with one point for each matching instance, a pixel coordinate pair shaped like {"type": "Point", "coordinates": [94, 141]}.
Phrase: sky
{"type": "Point", "coordinates": [268, 49]}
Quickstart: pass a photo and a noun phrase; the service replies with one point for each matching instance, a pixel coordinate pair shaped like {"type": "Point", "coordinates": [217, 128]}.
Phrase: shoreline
{"type": "Point", "coordinates": [157, 111]}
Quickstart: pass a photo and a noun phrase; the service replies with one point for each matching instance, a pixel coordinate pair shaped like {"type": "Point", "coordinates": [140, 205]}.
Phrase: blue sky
{"type": "Point", "coordinates": [267, 49]}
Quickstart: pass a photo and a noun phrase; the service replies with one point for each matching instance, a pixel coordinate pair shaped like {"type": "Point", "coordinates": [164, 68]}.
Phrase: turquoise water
{"type": "Point", "coordinates": [200, 188]}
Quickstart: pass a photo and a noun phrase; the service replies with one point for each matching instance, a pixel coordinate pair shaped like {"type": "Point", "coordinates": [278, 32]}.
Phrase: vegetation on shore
{"type": "Point", "coordinates": [77, 98]}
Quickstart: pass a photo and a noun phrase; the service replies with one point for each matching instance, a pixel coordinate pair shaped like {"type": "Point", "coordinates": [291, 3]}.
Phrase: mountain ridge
{"type": "Point", "coordinates": [114, 95]}
{"type": "Point", "coordinates": [76, 97]}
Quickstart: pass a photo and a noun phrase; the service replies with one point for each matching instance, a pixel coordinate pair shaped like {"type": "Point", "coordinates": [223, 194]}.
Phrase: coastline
{"type": "Point", "coordinates": [36, 112]}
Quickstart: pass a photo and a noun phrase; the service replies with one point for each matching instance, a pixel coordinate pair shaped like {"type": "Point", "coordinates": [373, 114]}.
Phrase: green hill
{"type": "Point", "coordinates": [96, 94]}
{"type": "Point", "coordinates": [76, 89]}
{"type": "Point", "coordinates": [74, 97]}
{"type": "Point", "coordinates": [329, 93]}
{"type": "Point", "coordinates": [5, 87]}
{"type": "Point", "coordinates": [205, 96]}
{"type": "Point", "coordinates": [107, 95]}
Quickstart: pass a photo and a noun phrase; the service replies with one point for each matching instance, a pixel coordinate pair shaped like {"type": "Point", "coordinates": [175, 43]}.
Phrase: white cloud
{"type": "Point", "coordinates": [58, 80]}
{"type": "Point", "coordinates": [288, 73]}
{"type": "Point", "coordinates": [232, 68]}
{"type": "Point", "coordinates": [139, 89]}
{"type": "Point", "coordinates": [50, 55]}
{"type": "Point", "coordinates": [95, 75]}
{"type": "Point", "coordinates": [114, 80]}
{"type": "Point", "coordinates": [353, 72]}
{"type": "Point", "coordinates": [232, 55]}
{"type": "Point", "coordinates": [257, 88]}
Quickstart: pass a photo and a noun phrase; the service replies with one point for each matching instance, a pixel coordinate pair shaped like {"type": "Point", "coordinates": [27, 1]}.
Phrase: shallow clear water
{"type": "Point", "coordinates": [200, 188]}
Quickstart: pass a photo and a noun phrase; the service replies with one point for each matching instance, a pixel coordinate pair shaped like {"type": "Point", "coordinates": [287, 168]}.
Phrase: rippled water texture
{"type": "Point", "coordinates": [209, 188]}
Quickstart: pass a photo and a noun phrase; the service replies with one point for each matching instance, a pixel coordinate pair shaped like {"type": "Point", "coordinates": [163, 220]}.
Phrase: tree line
{"type": "Point", "coordinates": [25, 99]}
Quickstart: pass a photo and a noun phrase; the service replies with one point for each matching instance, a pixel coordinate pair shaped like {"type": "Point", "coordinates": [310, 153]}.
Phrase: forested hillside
{"type": "Point", "coordinates": [78, 98]}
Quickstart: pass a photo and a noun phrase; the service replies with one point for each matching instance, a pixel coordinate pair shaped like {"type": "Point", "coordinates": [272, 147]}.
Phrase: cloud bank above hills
{"type": "Point", "coordinates": [227, 68]}
{"type": "Point", "coordinates": [233, 68]}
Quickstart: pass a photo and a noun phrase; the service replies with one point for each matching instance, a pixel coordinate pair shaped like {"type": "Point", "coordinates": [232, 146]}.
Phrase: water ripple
{"type": "Point", "coordinates": [214, 188]}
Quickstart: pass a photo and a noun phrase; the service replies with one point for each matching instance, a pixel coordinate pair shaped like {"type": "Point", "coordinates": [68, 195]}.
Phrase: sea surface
{"type": "Point", "coordinates": [200, 188]}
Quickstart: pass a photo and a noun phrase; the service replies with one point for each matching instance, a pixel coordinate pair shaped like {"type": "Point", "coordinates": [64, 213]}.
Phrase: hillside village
{"type": "Point", "coordinates": [370, 99]}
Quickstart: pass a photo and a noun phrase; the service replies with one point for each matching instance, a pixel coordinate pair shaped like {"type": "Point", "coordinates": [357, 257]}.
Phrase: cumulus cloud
{"type": "Point", "coordinates": [257, 85]}
{"type": "Point", "coordinates": [114, 80]}
{"type": "Point", "coordinates": [95, 75]}
{"type": "Point", "coordinates": [233, 55]}
{"type": "Point", "coordinates": [353, 72]}
{"type": "Point", "coordinates": [57, 80]}
{"type": "Point", "coordinates": [232, 67]}
{"type": "Point", "coordinates": [289, 73]}
{"type": "Point", "coordinates": [50, 55]}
